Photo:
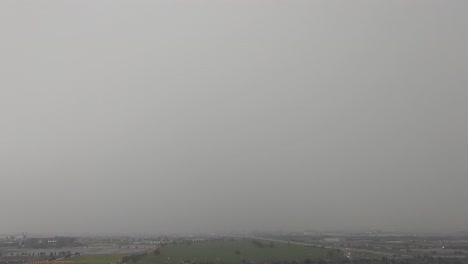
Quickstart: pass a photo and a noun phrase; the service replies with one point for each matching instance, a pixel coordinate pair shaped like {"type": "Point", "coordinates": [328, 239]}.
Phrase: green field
{"type": "Point", "coordinates": [225, 252]}
{"type": "Point", "coordinates": [97, 259]}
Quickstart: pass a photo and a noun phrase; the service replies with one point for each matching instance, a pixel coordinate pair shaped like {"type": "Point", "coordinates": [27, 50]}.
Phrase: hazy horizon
{"type": "Point", "coordinates": [217, 116]}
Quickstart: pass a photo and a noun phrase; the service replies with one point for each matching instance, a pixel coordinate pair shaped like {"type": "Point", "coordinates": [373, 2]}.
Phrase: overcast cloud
{"type": "Point", "coordinates": [175, 116]}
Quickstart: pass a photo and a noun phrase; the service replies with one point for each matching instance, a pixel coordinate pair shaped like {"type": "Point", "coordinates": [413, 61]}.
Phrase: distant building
{"type": "Point", "coordinates": [51, 242]}
{"type": "Point", "coordinates": [331, 239]}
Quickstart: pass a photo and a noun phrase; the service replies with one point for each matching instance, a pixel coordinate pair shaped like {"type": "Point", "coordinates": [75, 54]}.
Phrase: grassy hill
{"type": "Point", "coordinates": [233, 251]}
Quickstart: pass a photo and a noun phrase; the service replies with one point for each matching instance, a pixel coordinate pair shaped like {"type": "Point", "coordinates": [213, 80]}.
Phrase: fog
{"type": "Point", "coordinates": [218, 116]}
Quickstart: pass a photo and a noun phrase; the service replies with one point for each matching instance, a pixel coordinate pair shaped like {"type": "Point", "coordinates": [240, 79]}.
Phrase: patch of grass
{"type": "Point", "coordinates": [97, 259]}
{"type": "Point", "coordinates": [228, 251]}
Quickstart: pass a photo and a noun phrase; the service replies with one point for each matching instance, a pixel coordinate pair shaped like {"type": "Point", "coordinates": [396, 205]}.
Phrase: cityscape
{"type": "Point", "coordinates": [233, 131]}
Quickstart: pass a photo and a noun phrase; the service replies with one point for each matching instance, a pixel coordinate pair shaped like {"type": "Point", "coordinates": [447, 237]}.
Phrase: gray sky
{"type": "Point", "coordinates": [166, 116]}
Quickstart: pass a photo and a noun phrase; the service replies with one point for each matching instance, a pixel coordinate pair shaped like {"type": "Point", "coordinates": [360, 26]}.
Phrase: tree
{"type": "Point", "coordinates": [330, 254]}
{"type": "Point", "coordinates": [321, 261]}
{"type": "Point", "coordinates": [258, 243]}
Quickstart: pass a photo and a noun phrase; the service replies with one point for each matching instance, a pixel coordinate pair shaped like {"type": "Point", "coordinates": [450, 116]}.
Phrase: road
{"type": "Point", "coordinates": [347, 251]}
